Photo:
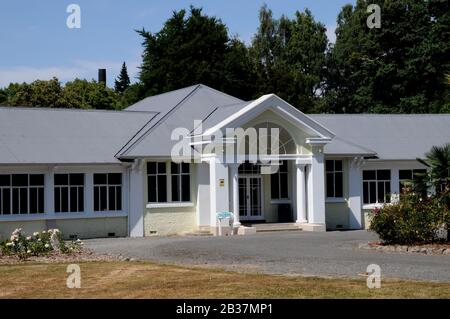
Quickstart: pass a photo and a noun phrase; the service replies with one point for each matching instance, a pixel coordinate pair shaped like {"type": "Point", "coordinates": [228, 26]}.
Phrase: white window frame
{"type": "Point", "coordinates": [332, 198]}
{"type": "Point", "coordinates": [277, 175]}
{"type": "Point", "coordinates": [179, 175]}
{"type": "Point", "coordinates": [108, 185]}
{"type": "Point", "coordinates": [69, 187]}
{"type": "Point", "coordinates": [28, 188]}
{"type": "Point", "coordinates": [376, 180]}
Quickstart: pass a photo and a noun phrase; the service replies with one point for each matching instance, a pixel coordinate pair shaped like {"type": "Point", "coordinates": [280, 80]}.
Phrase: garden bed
{"type": "Point", "coordinates": [429, 249]}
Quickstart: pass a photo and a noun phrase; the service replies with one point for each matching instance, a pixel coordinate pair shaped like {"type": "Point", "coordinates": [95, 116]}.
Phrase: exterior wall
{"type": "Point", "coordinates": [81, 228]}
{"type": "Point", "coordinates": [170, 218]}
{"type": "Point", "coordinates": [87, 224]}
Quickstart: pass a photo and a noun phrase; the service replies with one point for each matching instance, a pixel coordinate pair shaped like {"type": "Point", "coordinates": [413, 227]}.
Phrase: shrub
{"type": "Point", "coordinates": [413, 220]}
{"type": "Point", "coordinates": [39, 244]}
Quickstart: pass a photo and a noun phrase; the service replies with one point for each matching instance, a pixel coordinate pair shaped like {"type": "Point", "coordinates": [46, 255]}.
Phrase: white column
{"type": "Point", "coordinates": [316, 202]}
{"type": "Point", "coordinates": [301, 194]}
{"type": "Point", "coordinates": [235, 178]}
{"type": "Point", "coordinates": [218, 175]}
{"type": "Point", "coordinates": [355, 193]}
{"type": "Point", "coordinates": [137, 201]}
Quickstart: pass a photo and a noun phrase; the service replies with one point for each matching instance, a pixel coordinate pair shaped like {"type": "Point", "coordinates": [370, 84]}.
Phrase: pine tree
{"type": "Point", "coordinates": [123, 80]}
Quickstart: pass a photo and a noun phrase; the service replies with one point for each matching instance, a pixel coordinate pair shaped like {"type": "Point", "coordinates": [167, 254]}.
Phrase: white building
{"type": "Point", "coordinates": [111, 173]}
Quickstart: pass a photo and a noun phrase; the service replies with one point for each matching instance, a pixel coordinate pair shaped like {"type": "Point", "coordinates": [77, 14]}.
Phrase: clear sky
{"type": "Point", "coordinates": [35, 42]}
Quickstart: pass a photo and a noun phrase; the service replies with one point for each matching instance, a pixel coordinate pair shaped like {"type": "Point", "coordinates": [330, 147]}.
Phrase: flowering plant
{"type": "Point", "coordinates": [38, 244]}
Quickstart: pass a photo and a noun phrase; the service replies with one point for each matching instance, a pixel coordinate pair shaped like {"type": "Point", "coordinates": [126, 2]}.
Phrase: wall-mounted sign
{"type": "Point", "coordinates": [221, 182]}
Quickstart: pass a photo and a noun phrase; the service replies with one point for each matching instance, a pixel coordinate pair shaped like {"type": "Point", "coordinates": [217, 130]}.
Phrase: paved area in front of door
{"type": "Point", "coordinates": [288, 253]}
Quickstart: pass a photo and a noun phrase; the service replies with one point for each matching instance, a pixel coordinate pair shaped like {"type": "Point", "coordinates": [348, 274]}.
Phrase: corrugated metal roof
{"type": "Point", "coordinates": [391, 136]}
{"type": "Point", "coordinates": [155, 139]}
{"type": "Point", "coordinates": [62, 136]}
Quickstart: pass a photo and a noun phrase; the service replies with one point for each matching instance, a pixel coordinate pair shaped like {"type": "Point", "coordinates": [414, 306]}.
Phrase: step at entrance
{"type": "Point", "coordinates": [276, 227]}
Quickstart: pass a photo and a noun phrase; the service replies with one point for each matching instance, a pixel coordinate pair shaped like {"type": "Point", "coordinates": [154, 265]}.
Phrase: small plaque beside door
{"type": "Point", "coordinates": [221, 182]}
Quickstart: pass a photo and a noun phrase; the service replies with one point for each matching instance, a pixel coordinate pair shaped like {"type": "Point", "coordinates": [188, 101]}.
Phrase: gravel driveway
{"type": "Point", "coordinates": [289, 253]}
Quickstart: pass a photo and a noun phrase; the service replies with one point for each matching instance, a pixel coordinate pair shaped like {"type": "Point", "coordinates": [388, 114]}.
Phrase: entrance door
{"type": "Point", "coordinates": [250, 201]}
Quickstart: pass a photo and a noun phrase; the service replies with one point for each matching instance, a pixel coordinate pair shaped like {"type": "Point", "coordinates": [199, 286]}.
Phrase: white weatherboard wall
{"type": "Point", "coordinates": [203, 195]}
{"type": "Point", "coordinates": [219, 199]}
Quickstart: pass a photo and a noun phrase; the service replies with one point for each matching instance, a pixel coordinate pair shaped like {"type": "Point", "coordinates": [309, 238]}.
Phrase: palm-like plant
{"type": "Point", "coordinates": [438, 174]}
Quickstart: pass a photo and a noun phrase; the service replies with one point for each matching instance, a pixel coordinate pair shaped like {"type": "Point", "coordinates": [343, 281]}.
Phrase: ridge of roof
{"type": "Point", "coordinates": [60, 109]}
{"type": "Point", "coordinates": [138, 136]}
{"type": "Point", "coordinates": [378, 115]}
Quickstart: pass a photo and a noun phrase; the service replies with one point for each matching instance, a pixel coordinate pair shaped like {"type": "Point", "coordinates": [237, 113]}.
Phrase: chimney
{"type": "Point", "coordinates": [102, 76]}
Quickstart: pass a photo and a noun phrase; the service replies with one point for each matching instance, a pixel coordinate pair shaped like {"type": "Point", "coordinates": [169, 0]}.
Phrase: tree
{"type": "Point", "coordinates": [193, 48]}
{"type": "Point", "coordinates": [123, 80]}
{"type": "Point", "coordinates": [398, 68]}
{"type": "Point", "coordinates": [38, 93]}
{"type": "Point", "coordinates": [3, 96]}
{"type": "Point", "coordinates": [85, 94]}
{"type": "Point", "coordinates": [438, 176]}
{"type": "Point", "coordinates": [290, 56]}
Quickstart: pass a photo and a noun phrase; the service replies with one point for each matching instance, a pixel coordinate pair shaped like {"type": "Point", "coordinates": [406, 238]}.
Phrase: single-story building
{"type": "Point", "coordinates": [95, 173]}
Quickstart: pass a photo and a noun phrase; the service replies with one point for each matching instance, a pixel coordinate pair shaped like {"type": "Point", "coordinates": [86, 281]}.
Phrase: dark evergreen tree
{"type": "Point", "coordinates": [123, 80]}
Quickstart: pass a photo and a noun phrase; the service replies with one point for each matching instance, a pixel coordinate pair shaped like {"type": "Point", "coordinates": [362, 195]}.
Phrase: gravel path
{"type": "Point", "coordinates": [289, 253]}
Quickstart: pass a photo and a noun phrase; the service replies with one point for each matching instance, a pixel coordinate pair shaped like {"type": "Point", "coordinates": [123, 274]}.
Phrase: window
{"type": "Point", "coordinates": [108, 192]}
{"type": "Point", "coordinates": [334, 178]}
{"type": "Point", "coordinates": [21, 194]}
{"type": "Point", "coordinates": [181, 182]}
{"type": "Point", "coordinates": [407, 175]}
{"type": "Point", "coordinates": [69, 193]}
{"type": "Point", "coordinates": [157, 182]}
{"type": "Point", "coordinates": [248, 168]}
{"type": "Point", "coordinates": [279, 182]}
{"type": "Point", "coordinates": [376, 186]}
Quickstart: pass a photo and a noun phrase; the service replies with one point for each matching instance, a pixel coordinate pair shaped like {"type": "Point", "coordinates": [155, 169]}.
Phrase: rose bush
{"type": "Point", "coordinates": [38, 244]}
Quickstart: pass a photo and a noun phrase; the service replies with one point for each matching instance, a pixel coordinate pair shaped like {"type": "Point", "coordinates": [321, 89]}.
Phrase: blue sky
{"type": "Point", "coordinates": [36, 43]}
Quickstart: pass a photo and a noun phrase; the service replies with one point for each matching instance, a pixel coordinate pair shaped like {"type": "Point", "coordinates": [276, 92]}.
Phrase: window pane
{"type": "Point", "coordinates": [162, 189]}
{"type": "Point", "coordinates": [151, 168]}
{"type": "Point", "coordinates": [96, 199]}
{"type": "Point", "coordinates": [20, 180]}
{"type": "Point", "coordinates": [41, 197]}
{"type": "Point", "coordinates": [329, 165]}
{"type": "Point", "coordinates": [275, 186]}
{"type": "Point", "coordinates": [119, 198]}
{"type": "Point", "coordinates": [37, 180]}
{"type": "Point", "coordinates": [366, 192]}
{"type": "Point", "coordinates": [151, 189]}
{"type": "Point", "coordinates": [185, 168]}
{"type": "Point", "coordinates": [61, 179]}
{"type": "Point", "coordinates": [369, 175]}
{"type": "Point", "coordinates": [186, 188]}
{"type": "Point", "coordinates": [373, 192]}
{"type": "Point", "coordinates": [115, 179]}
{"type": "Point", "coordinates": [338, 166]}
{"type": "Point", "coordinates": [161, 168]}
{"type": "Point", "coordinates": [64, 199]}
{"type": "Point", "coordinates": [81, 199]}
{"type": "Point", "coordinates": [73, 199]}
{"type": "Point", "coordinates": [103, 198]}
{"type": "Point", "coordinates": [381, 192]}
{"type": "Point", "coordinates": [33, 200]}
{"type": "Point", "coordinates": [100, 179]}
{"type": "Point", "coordinates": [284, 167]}
{"type": "Point", "coordinates": [387, 189]}
{"type": "Point", "coordinates": [23, 201]}
{"type": "Point", "coordinates": [384, 174]}
{"type": "Point", "coordinates": [57, 200]}
{"type": "Point", "coordinates": [112, 198]}
{"type": "Point", "coordinates": [330, 185]}
{"type": "Point", "coordinates": [15, 201]}
{"type": "Point", "coordinates": [405, 174]}
{"type": "Point", "coordinates": [176, 188]}
{"type": "Point", "coordinates": [174, 168]}
{"type": "Point", "coordinates": [284, 186]}
{"type": "Point", "coordinates": [6, 201]}
{"type": "Point", "coordinates": [5, 180]}
{"type": "Point", "coordinates": [338, 185]}
{"type": "Point", "coordinates": [77, 179]}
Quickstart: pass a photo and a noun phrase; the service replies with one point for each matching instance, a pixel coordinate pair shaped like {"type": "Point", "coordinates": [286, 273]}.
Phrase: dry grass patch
{"type": "Point", "coordinates": [149, 280]}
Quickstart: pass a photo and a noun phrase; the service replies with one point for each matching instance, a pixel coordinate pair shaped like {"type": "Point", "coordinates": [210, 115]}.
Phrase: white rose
{"type": "Point", "coordinates": [9, 244]}
{"type": "Point", "coordinates": [39, 239]}
{"type": "Point", "coordinates": [28, 251]}
{"type": "Point", "coordinates": [36, 234]}
{"type": "Point", "coordinates": [47, 246]}
{"type": "Point", "coordinates": [29, 238]}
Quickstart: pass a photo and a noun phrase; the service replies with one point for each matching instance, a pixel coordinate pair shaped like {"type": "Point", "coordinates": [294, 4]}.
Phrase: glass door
{"type": "Point", "coordinates": [250, 199]}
